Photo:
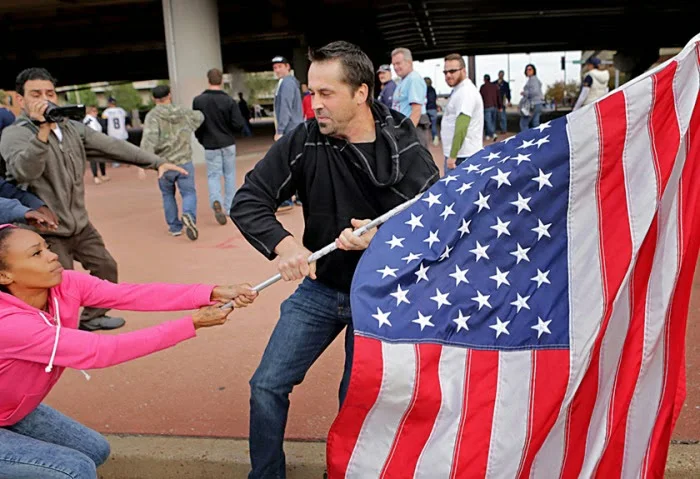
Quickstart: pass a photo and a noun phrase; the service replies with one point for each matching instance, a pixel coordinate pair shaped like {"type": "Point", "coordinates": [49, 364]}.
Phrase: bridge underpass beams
{"type": "Point", "coordinates": [193, 46]}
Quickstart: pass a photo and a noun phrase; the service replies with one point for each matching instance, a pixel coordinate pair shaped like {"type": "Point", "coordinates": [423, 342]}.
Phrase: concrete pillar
{"type": "Point", "coordinates": [471, 68]}
{"type": "Point", "coordinates": [193, 46]}
{"type": "Point", "coordinates": [300, 62]}
{"type": "Point", "coordinates": [237, 82]}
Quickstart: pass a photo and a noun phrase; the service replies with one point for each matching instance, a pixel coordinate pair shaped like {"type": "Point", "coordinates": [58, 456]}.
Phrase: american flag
{"type": "Point", "coordinates": [526, 317]}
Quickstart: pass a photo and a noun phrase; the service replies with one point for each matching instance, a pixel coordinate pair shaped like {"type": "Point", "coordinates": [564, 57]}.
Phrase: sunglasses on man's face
{"type": "Point", "coordinates": [451, 72]}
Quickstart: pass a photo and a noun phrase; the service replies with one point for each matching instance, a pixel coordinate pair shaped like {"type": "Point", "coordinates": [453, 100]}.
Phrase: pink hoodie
{"type": "Point", "coordinates": [32, 342]}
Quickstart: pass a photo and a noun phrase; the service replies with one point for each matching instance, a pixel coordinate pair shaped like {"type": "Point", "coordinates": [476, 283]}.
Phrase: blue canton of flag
{"type": "Point", "coordinates": [481, 259]}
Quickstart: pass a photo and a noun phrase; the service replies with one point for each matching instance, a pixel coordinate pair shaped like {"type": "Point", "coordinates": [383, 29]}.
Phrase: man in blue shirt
{"type": "Point", "coordinates": [411, 92]}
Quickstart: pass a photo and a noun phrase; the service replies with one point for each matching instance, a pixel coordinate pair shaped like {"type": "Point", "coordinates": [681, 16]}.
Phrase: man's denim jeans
{"type": "Point", "coordinates": [310, 319]}
{"type": "Point", "coordinates": [185, 183]}
{"type": "Point", "coordinates": [432, 114]}
{"type": "Point", "coordinates": [459, 160]}
{"type": "Point", "coordinates": [49, 445]}
{"type": "Point", "coordinates": [221, 162]}
{"type": "Point", "coordinates": [503, 120]}
{"type": "Point", "coordinates": [490, 121]}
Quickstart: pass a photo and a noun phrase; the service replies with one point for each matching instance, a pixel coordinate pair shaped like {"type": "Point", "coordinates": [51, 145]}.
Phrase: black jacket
{"type": "Point", "coordinates": [222, 118]}
{"type": "Point", "coordinates": [336, 182]}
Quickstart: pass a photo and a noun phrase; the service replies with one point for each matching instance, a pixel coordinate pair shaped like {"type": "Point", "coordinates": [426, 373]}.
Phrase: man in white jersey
{"type": "Point", "coordinates": [116, 122]}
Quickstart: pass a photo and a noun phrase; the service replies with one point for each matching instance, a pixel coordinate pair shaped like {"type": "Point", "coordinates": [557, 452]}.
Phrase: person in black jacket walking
{"type": "Point", "coordinates": [354, 161]}
{"type": "Point", "coordinates": [222, 118]}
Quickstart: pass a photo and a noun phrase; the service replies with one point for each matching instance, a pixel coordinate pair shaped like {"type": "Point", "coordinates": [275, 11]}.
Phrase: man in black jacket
{"type": "Point", "coordinates": [356, 160]}
{"type": "Point", "coordinates": [222, 118]}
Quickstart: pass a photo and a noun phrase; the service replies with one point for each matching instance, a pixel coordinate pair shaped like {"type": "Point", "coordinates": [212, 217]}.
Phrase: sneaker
{"type": "Point", "coordinates": [102, 322]}
{"type": "Point", "coordinates": [190, 226]}
{"type": "Point", "coordinates": [286, 206]}
{"type": "Point", "coordinates": [219, 213]}
{"type": "Point", "coordinates": [175, 233]}
{"type": "Point", "coordinates": [436, 141]}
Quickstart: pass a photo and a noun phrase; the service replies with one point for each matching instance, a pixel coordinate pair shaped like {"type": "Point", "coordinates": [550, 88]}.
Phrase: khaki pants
{"type": "Point", "coordinates": [88, 248]}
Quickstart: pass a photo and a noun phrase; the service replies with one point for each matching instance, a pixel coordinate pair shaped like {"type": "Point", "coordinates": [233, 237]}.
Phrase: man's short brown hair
{"type": "Point", "coordinates": [456, 57]}
{"type": "Point", "coordinates": [215, 76]}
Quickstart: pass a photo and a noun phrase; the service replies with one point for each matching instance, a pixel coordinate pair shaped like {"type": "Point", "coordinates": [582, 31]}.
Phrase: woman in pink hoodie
{"type": "Point", "coordinates": [39, 338]}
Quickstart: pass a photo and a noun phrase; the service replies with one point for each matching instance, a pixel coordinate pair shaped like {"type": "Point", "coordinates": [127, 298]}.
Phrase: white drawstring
{"type": "Point", "coordinates": [57, 319]}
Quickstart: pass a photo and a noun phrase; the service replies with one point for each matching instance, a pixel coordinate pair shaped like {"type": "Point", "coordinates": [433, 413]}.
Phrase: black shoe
{"type": "Point", "coordinates": [102, 322]}
{"type": "Point", "coordinates": [219, 213]}
{"type": "Point", "coordinates": [190, 226]}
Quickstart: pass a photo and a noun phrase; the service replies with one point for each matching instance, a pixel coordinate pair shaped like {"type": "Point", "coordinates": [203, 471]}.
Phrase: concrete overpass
{"type": "Point", "coordinates": [81, 41]}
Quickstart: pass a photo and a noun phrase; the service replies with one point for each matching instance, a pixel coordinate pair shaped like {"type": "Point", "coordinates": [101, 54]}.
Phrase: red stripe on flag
{"type": "Point", "coordinates": [363, 390]}
{"type": "Point", "coordinates": [616, 253]}
{"type": "Point", "coordinates": [674, 372]}
{"type": "Point", "coordinates": [474, 438]}
{"type": "Point", "coordinates": [610, 464]}
{"type": "Point", "coordinates": [663, 125]}
{"type": "Point", "coordinates": [414, 430]}
{"type": "Point", "coordinates": [550, 373]}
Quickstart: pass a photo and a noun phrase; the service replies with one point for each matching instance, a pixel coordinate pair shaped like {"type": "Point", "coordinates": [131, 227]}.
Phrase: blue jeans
{"type": "Point", "coordinates": [221, 162]}
{"type": "Point", "coordinates": [490, 121]}
{"type": "Point", "coordinates": [533, 120]}
{"type": "Point", "coordinates": [310, 319]}
{"type": "Point", "coordinates": [432, 114]}
{"type": "Point", "coordinates": [185, 183]}
{"type": "Point", "coordinates": [503, 120]}
{"type": "Point", "coordinates": [48, 445]}
{"type": "Point", "coordinates": [459, 159]}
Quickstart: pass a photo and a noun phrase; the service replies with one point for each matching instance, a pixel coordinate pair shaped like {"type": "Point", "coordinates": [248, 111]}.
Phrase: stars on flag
{"type": "Point", "coordinates": [486, 281]}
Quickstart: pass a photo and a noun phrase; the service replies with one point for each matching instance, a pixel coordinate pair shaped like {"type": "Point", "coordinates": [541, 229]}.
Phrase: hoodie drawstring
{"type": "Point", "coordinates": [57, 319]}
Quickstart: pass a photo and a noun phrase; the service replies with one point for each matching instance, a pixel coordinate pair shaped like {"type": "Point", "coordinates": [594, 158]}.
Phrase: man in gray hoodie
{"type": "Point", "coordinates": [50, 158]}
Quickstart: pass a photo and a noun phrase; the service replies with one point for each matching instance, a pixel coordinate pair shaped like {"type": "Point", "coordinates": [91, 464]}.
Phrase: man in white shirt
{"type": "Point", "coordinates": [116, 121]}
{"type": "Point", "coordinates": [91, 121]}
{"type": "Point", "coordinates": [462, 126]}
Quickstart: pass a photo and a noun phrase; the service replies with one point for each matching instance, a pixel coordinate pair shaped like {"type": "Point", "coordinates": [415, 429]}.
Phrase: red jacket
{"type": "Point", "coordinates": [306, 107]}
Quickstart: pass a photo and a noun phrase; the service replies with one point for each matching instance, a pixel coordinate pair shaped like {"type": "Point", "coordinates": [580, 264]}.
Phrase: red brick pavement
{"type": "Point", "coordinates": [200, 387]}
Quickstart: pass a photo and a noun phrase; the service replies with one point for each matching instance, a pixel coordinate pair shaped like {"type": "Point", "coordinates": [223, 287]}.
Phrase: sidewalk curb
{"type": "Point", "coordinates": [156, 457]}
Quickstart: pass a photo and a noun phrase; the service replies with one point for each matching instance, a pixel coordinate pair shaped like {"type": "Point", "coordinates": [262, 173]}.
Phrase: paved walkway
{"type": "Point", "coordinates": [200, 387]}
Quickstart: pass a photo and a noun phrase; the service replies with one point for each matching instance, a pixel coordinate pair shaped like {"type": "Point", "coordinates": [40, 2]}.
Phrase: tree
{"type": "Point", "coordinates": [563, 93]}
{"type": "Point", "coordinates": [127, 96]}
{"type": "Point", "coordinates": [83, 95]}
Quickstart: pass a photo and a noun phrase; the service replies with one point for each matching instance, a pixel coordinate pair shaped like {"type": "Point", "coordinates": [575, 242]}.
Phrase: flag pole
{"type": "Point", "coordinates": [332, 246]}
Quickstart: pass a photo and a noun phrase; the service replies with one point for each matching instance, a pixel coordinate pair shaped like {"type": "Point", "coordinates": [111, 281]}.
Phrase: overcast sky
{"type": "Point", "coordinates": [548, 69]}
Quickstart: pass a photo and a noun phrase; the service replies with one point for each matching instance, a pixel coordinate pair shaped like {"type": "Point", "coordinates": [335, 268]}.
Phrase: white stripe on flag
{"type": "Point", "coordinates": [611, 350]}
{"type": "Point", "coordinates": [686, 83]}
{"type": "Point", "coordinates": [662, 282]}
{"type": "Point", "coordinates": [436, 458]}
{"type": "Point", "coordinates": [511, 414]}
{"type": "Point", "coordinates": [373, 443]}
{"type": "Point", "coordinates": [641, 187]}
{"type": "Point", "coordinates": [638, 162]}
{"type": "Point", "coordinates": [585, 282]}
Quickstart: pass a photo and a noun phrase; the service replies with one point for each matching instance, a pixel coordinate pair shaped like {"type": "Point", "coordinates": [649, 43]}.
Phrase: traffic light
{"type": "Point", "coordinates": [563, 63]}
